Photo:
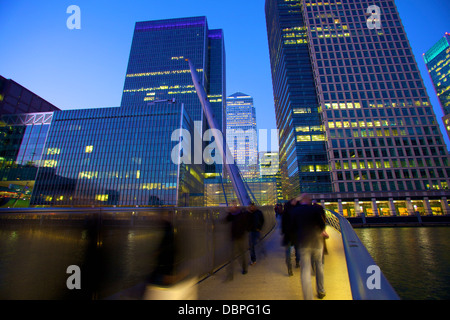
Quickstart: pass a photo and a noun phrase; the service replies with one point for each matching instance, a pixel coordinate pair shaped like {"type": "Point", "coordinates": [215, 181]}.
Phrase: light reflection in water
{"type": "Point", "coordinates": [416, 261]}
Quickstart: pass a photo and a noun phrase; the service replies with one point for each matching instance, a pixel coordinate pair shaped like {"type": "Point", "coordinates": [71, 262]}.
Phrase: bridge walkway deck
{"type": "Point", "coordinates": [268, 278]}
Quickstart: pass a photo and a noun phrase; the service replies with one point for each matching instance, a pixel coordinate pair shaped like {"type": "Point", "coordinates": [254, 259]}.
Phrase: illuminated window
{"type": "Point", "coordinates": [87, 175]}
{"type": "Point", "coordinates": [303, 138]}
{"type": "Point", "coordinates": [322, 168]}
{"type": "Point", "coordinates": [318, 137]}
{"type": "Point", "coordinates": [53, 151]}
{"type": "Point", "coordinates": [302, 129]}
{"type": "Point", "coordinates": [302, 110]}
{"type": "Point", "coordinates": [89, 149]}
{"type": "Point", "coordinates": [50, 163]}
{"type": "Point", "coordinates": [101, 197]}
{"type": "Point", "coordinates": [309, 168]}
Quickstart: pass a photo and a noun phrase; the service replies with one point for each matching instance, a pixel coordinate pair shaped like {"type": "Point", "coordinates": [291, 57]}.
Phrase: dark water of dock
{"type": "Point", "coordinates": [415, 260]}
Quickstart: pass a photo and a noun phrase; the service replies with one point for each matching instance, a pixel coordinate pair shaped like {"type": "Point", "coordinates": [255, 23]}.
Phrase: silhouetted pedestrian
{"type": "Point", "coordinates": [239, 237]}
{"type": "Point", "coordinates": [288, 236]}
{"type": "Point", "coordinates": [171, 279]}
{"type": "Point", "coordinates": [308, 223]}
{"type": "Point", "coordinates": [278, 210]}
{"type": "Point", "coordinates": [256, 223]}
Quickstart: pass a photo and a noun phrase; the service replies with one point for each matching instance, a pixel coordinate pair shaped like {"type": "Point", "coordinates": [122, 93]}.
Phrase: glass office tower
{"type": "Point", "coordinates": [118, 156]}
{"type": "Point", "coordinates": [437, 60]}
{"type": "Point", "coordinates": [242, 136]}
{"type": "Point", "coordinates": [303, 154]}
{"type": "Point", "coordinates": [157, 69]}
{"type": "Point", "coordinates": [378, 126]}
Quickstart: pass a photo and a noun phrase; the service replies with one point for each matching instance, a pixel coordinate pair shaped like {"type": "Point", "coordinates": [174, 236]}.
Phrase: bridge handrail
{"type": "Point", "coordinates": [359, 262]}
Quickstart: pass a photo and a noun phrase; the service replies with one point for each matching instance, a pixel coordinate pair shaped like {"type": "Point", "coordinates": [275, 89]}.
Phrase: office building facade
{"type": "Point", "coordinates": [221, 193]}
{"type": "Point", "coordinates": [22, 144]}
{"type": "Point", "coordinates": [24, 122]}
{"type": "Point", "coordinates": [437, 60]}
{"type": "Point", "coordinates": [303, 155]}
{"type": "Point", "coordinates": [242, 136]}
{"type": "Point", "coordinates": [379, 128]}
{"type": "Point", "coordinates": [269, 167]}
{"type": "Point", "coordinates": [158, 70]}
{"type": "Point", "coordinates": [118, 156]}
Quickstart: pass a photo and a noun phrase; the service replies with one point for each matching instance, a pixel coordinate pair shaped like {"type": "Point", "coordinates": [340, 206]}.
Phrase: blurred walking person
{"type": "Point", "coordinates": [239, 238]}
{"type": "Point", "coordinates": [308, 223]}
{"type": "Point", "coordinates": [288, 237]}
{"type": "Point", "coordinates": [256, 223]}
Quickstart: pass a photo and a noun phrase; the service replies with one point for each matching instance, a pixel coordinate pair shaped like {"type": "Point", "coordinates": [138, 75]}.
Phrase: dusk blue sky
{"type": "Point", "coordinates": [76, 69]}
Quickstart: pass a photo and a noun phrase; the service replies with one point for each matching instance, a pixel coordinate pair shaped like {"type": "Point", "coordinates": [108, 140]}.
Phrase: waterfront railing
{"type": "Point", "coordinates": [367, 281]}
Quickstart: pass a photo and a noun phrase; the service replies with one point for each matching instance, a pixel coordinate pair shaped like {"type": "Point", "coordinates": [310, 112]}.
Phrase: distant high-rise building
{"type": "Point", "coordinates": [242, 137]}
{"type": "Point", "coordinates": [351, 107]}
{"type": "Point", "coordinates": [269, 163]}
{"type": "Point", "coordinates": [269, 166]}
{"type": "Point", "coordinates": [157, 69]}
{"type": "Point", "coordinates": [16, 99]}
{"type": "Point", "coordinates": [437, 60]}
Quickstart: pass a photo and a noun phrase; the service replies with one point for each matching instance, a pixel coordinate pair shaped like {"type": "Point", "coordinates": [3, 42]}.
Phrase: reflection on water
{"type": "Point", "coordinates": [416, 261]}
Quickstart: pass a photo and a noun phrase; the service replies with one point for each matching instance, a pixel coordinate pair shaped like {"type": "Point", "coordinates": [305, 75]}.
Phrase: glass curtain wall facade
{"type": "Point", "coordinates": [437, 60]}
{"type": "Point", "coordinates": [118, 156]}
{"type": "Point", "coordinates": [303, 156]}
{"type": "Point", "coordinates": [157, 69]}
{"type": "Point", "coordinates": [381, 128]}
{"type": "Point", "coordinates": [381, 131]}
{"type": "Point", "coordinates": [242, 136]}
{"type": "Point", "coordinates": [21, 146]}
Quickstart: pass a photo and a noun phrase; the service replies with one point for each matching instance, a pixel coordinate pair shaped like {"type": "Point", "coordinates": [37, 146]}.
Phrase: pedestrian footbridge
{"type": "Point", "coordinates": [346, 266]}
{"type": "Point", "coordinates": [115, 249]}
{"type": "Point", "coordinates": [268, 279]}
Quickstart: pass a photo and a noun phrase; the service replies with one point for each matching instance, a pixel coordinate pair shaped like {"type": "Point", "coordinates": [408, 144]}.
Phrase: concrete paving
{"type": "Point", "coordinates": [268, 278]}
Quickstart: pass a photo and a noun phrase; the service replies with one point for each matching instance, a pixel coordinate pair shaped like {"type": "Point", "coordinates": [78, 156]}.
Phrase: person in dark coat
{"type": "Point", "coordinates": [239, 235]}
{"type": "Point", "coordinates": [256, 223]}
{"type": "Point", "coordinates": [286, 230]}
{"type": "Point", "coordinates": [309, 225]}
